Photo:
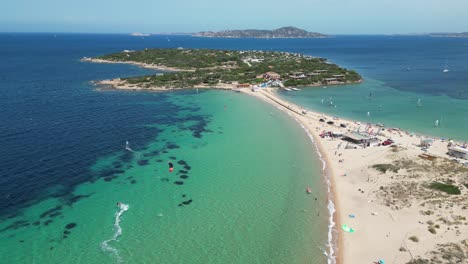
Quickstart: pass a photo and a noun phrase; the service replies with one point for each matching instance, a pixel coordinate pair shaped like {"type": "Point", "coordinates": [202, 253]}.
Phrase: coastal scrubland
{"type": "Point", "coordinates": [203, 67]}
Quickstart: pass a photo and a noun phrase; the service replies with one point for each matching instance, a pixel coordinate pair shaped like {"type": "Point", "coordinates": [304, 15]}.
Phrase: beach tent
{"type": "Point", "coordinates": [426, 142]}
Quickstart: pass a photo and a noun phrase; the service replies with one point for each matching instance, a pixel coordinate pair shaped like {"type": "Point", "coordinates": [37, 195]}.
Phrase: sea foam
{"type": "Point", "coordinates": [117, 232]}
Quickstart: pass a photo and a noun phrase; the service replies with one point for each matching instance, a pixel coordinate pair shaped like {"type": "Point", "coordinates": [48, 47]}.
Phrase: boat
{"type": "Point", "coordinates": [445, 68]}
{"type": "Point", "coordinates": [418, 104]}
{"type": "Point", "coordinates": [308, 190]}
{"type": "Point", "coordinates": [295, 89]}
{"type": "Point", "coordinates": [287, 89]}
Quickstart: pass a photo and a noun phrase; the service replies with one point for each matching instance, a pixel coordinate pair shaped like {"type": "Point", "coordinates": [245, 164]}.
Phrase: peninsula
{"type": "Point", "coordinates": [399, 197]}
{"type": "Point", "coordinates": [284, 32]}
{"type": "Point", "coordinates": [204, 68]}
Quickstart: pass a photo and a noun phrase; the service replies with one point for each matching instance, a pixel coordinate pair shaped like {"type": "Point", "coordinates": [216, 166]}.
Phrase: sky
{"type": "Point", "coordinates": [156, 16]}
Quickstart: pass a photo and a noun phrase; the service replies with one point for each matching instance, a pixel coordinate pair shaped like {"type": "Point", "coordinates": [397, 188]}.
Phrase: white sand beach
{"type": "Point", "coordinates": [395, 216]}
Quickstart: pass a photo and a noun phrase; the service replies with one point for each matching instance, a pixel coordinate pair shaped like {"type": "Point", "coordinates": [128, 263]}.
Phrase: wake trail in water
{"type": "Point", "coordinates": [118, 231]}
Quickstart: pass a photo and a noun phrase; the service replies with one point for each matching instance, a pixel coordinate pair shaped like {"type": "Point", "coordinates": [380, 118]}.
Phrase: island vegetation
{"type": "Point", "coordinates": [284, 32]}
{"type": "Point", "coordinates": [188, 68]}
{"type": "Point", "coordinates": [450, 35]}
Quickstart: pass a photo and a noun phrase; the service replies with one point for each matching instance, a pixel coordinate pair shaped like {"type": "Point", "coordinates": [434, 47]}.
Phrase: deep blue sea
{"type": "Point", "coordinates": [54, 125]}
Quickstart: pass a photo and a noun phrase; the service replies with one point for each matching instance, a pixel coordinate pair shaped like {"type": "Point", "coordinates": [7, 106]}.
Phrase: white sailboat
{"type": "Point", "coordinates": [418, 104]}
{"type": "Point", "coordinates": [445, 68]}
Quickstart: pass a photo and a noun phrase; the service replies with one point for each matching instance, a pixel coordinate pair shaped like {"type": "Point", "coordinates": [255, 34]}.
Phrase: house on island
{"type": "Point", "coordinates": [269, 76]}
{"type": "Point", "coordinates": [312, 74]}
{"type": "Point", "coordinates": [320, 71]}
{"type": "Point", "coordinates": [330, 81]}
{"type": "Point", "coordinates": [339, 77]}
{"type": "Point", "coordinates": [297, 75]}
{"type": "Point", "coordinates": [458, 152]}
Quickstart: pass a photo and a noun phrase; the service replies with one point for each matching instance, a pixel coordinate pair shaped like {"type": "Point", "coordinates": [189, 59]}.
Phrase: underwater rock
{"type": "Point", "coordinates": [70, 225]}
{"type": "Point", "coordinates": [143, 162]}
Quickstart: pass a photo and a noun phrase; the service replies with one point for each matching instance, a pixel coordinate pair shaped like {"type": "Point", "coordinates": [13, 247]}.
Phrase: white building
{"type": "Point", "coordinates": [458, 152]}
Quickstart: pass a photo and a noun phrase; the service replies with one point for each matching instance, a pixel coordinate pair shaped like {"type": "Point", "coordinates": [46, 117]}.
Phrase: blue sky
{"type": "Point", "coordinates": [155, 16]}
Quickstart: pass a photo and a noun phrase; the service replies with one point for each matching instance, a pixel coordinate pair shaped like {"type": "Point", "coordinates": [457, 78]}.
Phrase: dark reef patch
{"type": "Point", "coordinates": [143, 162]}
{"type": "Point", "coordinates": [126, 157]}
{"type": "Point", "coordinates": [159, 160]}
{"type": "Point", "coordinates": [184, 195]}
{"type": "Point", "coordinates": [50, 211]}
{"type": "Point", "coordinates": [183, 171]}
{"type": "Point", "coordinates": [70, 225]}
{"type": "Point", "coordinates": [172, 158]}
{"type": "Point", "coordinates": [182, 162]}
{"type": "Point", "coordinates": [165, 151]}
{"type": "Point", "coordinates": [164, 179]}
{"type": "Point", "coordinates": [110, 172]}
{"type": "Point", "coordinates": [133, 182]}
{"type": "Point", "coordinates": [171, 145]}
{"type": "Point", "coordinates": [183, 176]}
{"type": "Point", "coordinates": [187, 167]}
{"type": "Point", "coordinates": [36, 223]}
{"type": "Point", "coordinates": [66, 232]}
{"type": "Point", "coordinates": [16, 225]}
{"type": "Point", "coordinates": [47, 222]}
{"type": "Point", "coordinates": [178, 182]}
{"type": "Point", "coordinates": [187, 202]}
{"type": "Point", "coordinates": [55, 214]}
{"type": "Point", "coordinates": [75, 198]}
{"type": "Point", "coordinates": [155, 152]}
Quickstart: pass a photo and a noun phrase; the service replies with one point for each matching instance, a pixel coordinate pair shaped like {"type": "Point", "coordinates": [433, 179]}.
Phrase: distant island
{"type": "Point", "coordinates": [284, 32]}
{"type": "Point", "coordinates": [139, 34]}
{"type": "Point", "coordinates": [225, 69]}
{"type": "Point", "coordinates": [450, 35]}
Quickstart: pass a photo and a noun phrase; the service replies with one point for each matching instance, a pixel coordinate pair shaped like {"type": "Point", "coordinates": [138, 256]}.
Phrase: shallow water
{"type": "Point", "coordinates": [242, 197]}
{"type": "Point", "coordinates": [243, 168]}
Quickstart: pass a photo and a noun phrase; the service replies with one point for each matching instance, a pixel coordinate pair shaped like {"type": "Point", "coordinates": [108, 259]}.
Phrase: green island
{"type": "Point", "coordinates": [193, 68]}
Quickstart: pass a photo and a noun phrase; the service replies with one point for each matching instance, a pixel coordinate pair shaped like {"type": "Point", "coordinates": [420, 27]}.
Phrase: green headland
{"type": "Point", "coordinates": [193, 68]}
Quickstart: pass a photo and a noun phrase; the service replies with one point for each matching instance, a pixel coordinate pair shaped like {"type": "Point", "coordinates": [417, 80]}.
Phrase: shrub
{"type": "Point", "coordinates": [385, 167]}
{"type": "Point", "coordinates": [447, 188]}
{"type": "Point", "coordinates": [414, 238]}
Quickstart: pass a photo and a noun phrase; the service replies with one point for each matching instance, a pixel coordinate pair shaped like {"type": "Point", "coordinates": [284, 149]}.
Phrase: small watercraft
{"type": "Point", "coordinates": [308, 190]}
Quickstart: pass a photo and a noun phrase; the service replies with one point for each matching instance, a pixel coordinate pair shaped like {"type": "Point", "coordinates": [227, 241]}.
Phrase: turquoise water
{"type": "Point", "coordinates": [392, 107]}
{"type": "Point", "coordinates": [64, 163]}
{"type": "Point", "coordinates": [246, 180]}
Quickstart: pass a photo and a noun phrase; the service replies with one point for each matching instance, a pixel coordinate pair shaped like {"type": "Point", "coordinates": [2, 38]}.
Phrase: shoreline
{"type": "Point", "coordinates": [377, 224]}
{"type": "Point", "coordinates": [388, 226]}
{"type": "Point", "coordinates": [334, 243]}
